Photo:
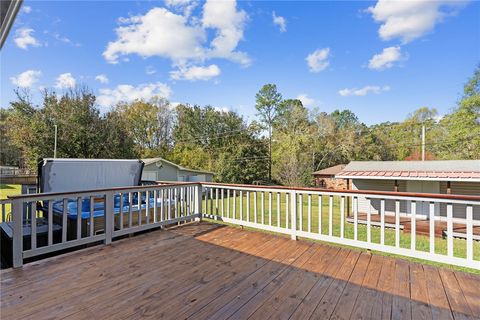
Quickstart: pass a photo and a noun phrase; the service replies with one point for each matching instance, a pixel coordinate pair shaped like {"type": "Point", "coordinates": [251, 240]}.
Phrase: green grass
{"type": "Point", "coordinates": [9, 190]}
{"type": "Point", "coordinates": [422, 242]}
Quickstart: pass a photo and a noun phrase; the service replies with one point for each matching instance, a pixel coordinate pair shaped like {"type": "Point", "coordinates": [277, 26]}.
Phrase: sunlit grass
{"type": "Point", "coordinates": [8, 190]}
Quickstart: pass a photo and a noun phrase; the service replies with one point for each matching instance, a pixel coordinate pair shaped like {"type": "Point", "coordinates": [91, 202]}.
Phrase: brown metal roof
{"type": "Point", "coordinates": [331, 171]}
{"type": "Point", "coordinates": [412, 174]}
{"type": "Point", "coordinates": [459, 170]}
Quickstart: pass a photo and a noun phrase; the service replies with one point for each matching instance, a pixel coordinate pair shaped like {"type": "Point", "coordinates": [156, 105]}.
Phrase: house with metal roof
{"type": "Point", "coordinates": [159, 169]}
{"type": "Point", "coordinates": [437, 176]}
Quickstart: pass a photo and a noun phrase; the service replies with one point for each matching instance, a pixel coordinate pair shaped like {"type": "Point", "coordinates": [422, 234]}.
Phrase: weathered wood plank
{"type": "Point", "coordinates": [253, 304]}
{"type": "Point", "coordinates": [329, 301]}
{"type": "Point", "coordinates": [226, 304]}
{"type": "Point", "coordinates": [418, 293]}
{"type": "Point", "coordinates": [310, 302]}
{"type": "Point", "coordinates": [470, 286]}
{"type": "Point", "coordinates": [345, 304]}
{"type": "Point", "coordinates": [456, 299]}
{"type": "Point", "coordinates": [287, 298]}
{"type": "Point", "coordinates": [401, 308]}
{"type": "Point", "coordinates": [202, 271]}
{"type": "Point", "coordinates": [436, 294]}
{"type": "Point", "coordinates": [369, 292]}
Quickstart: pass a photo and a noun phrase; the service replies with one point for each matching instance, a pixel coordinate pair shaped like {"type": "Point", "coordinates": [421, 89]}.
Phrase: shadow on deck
{"type": "Point", "coordinates": [207, 271]}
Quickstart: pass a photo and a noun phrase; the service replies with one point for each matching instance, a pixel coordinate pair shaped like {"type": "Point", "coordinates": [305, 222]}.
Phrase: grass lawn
{"type": "Point", "coordinates": [312, 224]}
{"type": "Point", "coordinates": [9, 190]}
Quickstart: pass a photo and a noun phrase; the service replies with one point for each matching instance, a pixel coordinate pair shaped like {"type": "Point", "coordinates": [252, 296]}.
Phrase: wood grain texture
{"type": "Point", "coordinates": [207, 271]}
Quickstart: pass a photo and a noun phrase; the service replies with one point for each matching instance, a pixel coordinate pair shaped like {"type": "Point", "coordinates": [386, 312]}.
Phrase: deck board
{"type": "Point", "coordinates": [207, 271]}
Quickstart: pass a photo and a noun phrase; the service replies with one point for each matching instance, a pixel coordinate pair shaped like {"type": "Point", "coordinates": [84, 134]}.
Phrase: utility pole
{"type": "Point", "coordinates": [55, 146]}
{"type": "Point", "coordinates": [423, 143]}
{"type": "Point", "coordinates": [270, 154]}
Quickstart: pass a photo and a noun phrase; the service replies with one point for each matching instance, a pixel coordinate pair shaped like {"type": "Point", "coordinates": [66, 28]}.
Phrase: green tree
{"type": "Point", "coordinates": [293, 152]}
{"type": "Point", "coordinates": [9, 153]}
{"type": "Point", "coordinates": [150, 124]}
{"type": "Point", "coordinates": [462, 126]}
{"type": "Point", "coordinates": [82, 131]}
{"type": "Point", "coordinates": [269, 107]}
{"type": "Point", "coordinates": [219, 141]}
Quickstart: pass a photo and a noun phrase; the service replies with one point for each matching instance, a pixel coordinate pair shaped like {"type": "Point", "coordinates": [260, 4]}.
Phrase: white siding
{"type": "Point", "coordinates": [378, 185]}
{"type": "Point", "coordinates": [464, 188]}
{"type": "Point", "coordinates": [166, 172]}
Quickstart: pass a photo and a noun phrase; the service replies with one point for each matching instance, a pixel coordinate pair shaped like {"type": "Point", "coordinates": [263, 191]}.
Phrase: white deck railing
{"type": "Point", "coordinates": [44, 223]}
{"type": "Point", "coordinates": [333, 216]}
{"type": "Point", "coordinates": [49, 222]}
{"type": "Point", "coordinates": [6, 214]}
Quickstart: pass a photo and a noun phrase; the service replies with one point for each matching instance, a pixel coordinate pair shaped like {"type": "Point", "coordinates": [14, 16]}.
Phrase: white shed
{"type": "Point", "coordinates": [159, 169]}
{"type": "Point", "coordinates": [438, 176]}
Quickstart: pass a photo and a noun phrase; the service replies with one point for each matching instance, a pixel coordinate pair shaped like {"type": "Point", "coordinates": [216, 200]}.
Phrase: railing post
{"type": "Point", "coordinates": [109, 214]}
{"type": "Point", "coordinates": [17, 246]}
{"type": "Point", "coordinates": [293, 216]}
{"type": "Point", "coordinates": [198, 202]}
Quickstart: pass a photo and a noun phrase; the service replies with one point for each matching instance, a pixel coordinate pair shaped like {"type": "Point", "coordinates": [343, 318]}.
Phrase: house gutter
{"type": "Point", "coordinates": [8, 12]}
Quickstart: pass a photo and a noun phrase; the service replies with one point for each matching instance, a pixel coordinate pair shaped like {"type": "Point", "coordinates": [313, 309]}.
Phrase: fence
{"type": "Point", "coordinates": [333, 216]}
{"type": "Point", "coordinates": [63, 220]}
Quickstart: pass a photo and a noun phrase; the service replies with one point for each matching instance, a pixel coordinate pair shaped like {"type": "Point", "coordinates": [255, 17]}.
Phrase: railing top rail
{"type": "Point", "coordinates": [165, 184]}
{"type": "Point", "coordinates": [50, 195]}
{"type": "Point", "coordinates": [354, 192]}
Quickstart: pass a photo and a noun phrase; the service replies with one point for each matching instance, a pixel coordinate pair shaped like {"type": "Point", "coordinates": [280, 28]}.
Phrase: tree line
{"type": "Point", "coordinates": [284, 146]}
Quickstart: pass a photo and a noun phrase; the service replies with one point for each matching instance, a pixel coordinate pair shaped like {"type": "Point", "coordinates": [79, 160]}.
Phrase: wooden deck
{"type": "Point", "coordinates": [206, 271]}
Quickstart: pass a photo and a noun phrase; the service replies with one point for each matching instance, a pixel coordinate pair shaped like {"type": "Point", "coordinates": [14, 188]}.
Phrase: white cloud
{"type": "Point", "coordinates": [23, 38]}
{"type": "Point", "coordinates": [180, 3]}
{"type": "Point", "coordinates": [158, 33]}
{"type": "Point", "coordinates": [386, 58]}
{"type": "Point", "coordinates": [128, 93]}
{"type": "Point", "coordinates": [229, 23]}
{"type": "Point", "coordinates": [318, 60]}
{"type": "Point", "coordinates": [102, 78]}
{"type": "Point", "coordinates": [26, 79]}
{"type": "Point", "coordinates": [186, 6]}
{"type": "Point", "coordinates": [280, 21]}
{"type": "Point", "coordinates": [150, 70]}
{"type": "Point", "coordinates": [222, 109]}
{"type": "Point", "coordinates": [306, 100]}
{"type": "Point", "coordinates": [409, 20]}
{"type": "Point", "coordinates": [195, 73]}
{"type": "Point", "coordinates": [66, 40]}
{"type": "Point", "coordinates": [26, 9]}
{"type": "Point", "coordinates": [363, 91]}
{"type": "Point", "coordinates": [181, 38]}
{"type": "Point", "coordinates": [65, 80]}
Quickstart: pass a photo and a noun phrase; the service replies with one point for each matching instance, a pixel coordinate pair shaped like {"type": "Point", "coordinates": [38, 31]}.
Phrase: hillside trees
{"type": "Point", "coordinates": [149, 124]}
{"type": "Point", "coordinates": [219, 141]}
{"type": "Point", "coordinates": [82, 131]}
{"type": "Point", "coordinates": [289, 139]}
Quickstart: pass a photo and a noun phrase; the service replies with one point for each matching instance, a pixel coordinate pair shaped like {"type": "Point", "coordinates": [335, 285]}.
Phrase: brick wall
{"type": "Point", "coordinates": [331, 183]}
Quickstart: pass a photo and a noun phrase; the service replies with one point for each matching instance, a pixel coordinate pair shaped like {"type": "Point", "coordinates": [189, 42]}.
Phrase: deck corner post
{"type": "Point", "coordinates": [293, 216]}
{"type": "Point", "coordinates": [17, 245]}
{"type": "Point", "coordinates": [198, 202]}
{"type": "Point", "coordinates": [109, 216]}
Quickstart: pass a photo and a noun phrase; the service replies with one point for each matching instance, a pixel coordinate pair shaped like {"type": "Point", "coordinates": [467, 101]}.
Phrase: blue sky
{"type": "Point", "coordinates": [380, 59]}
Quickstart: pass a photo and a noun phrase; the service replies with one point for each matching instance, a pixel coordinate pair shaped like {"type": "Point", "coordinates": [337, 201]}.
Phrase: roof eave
{"type": "Point", "coordinates": [407, 178]}
{"type": "Point", "coordinates": [9, 19]}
